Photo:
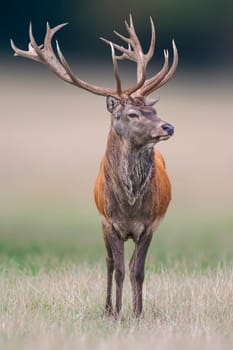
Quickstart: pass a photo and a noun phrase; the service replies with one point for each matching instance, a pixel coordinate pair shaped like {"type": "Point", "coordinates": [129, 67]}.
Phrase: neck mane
{"type": "Point", "coordinates": [129, 168]}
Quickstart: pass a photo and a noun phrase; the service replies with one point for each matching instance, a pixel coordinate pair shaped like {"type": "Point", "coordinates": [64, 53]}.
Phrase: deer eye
{"type": "Point", "coordinates": [133, 115]}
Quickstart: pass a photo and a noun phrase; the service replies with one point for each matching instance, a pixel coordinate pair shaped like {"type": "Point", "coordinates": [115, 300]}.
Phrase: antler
{"type": "Point", "coordinates": [134, 51]}
{"type": "Point", "coordinates": [45, 54]}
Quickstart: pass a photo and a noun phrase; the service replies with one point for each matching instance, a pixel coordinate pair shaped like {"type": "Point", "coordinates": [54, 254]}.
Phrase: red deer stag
{"type": "Point", "coordinates": [132, 190]}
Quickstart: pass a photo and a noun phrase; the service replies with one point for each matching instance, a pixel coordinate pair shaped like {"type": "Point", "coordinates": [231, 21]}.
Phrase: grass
{"type": "Point", "coordinates": [63, 309]}
{"type": "Point", "coordinates": [52, 284]}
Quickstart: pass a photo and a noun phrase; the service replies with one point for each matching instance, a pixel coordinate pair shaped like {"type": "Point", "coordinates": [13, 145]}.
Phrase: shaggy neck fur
{"type": "Point", "coordinates": [128, 168]}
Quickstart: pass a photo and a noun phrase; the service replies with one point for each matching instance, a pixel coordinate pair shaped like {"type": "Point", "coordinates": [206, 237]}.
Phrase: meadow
{"type": "Point", "coordinates": [52, 257]}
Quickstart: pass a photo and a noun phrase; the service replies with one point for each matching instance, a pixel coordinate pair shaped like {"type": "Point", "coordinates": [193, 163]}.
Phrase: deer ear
{"type": "Point", "coordinates": [113, 104]}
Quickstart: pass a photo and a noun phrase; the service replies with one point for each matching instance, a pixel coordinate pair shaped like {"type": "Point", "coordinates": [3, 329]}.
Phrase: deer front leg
{"type": "Point", "coordinates": [110, 269]}
{"type": "Point", "coordinates": [137, 266]}
{"type": "Point", "coordinates": [132, 279]}
{"type": "Point", "coordinates": [117, 248]}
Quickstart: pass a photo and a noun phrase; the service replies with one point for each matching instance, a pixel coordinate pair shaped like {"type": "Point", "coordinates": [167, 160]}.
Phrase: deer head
{"type": "Point", "coordinates": [133, 117]}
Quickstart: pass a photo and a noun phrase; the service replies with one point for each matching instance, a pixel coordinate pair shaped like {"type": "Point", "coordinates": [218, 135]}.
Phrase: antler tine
{"type": "Point", "coordinates": [119, 48]}
{"type": "Point", "coordinates": [124, 55]}
{"type": "Point", "coordinates": [151, 50]}
{"type": "Point", "coordinates": [173, 66]}
{"type": "Point", "coordinates": [163, 76]}
{"type": "Point", "coordinates": [116, 70]}
{"type": "Point", "coordinates": [131, 22]}
{"type": "Point", "coordinates": [50, 33]}
{"type": "Point", "coordinates": [27, 54]}
{"type": "Point", "coordinates": [122, 37]}
{"type": "Point", "coordinates": [131, 30]}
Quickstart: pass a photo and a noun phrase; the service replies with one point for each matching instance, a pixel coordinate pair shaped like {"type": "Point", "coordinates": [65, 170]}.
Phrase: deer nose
{"type": "Point", "coordinates": [168, 128]}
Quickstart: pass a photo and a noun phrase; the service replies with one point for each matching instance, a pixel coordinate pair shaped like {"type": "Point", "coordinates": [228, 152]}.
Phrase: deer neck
{"type": "Point", "coordinates": [128, 167]}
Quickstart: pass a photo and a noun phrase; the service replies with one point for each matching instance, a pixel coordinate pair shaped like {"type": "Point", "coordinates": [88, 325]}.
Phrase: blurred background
{"type": "Point", "coordinates": [52, 135]}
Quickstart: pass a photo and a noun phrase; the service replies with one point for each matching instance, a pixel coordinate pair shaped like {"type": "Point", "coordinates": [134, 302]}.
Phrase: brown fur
{"type": "Point", "coordinates": [160, 182]}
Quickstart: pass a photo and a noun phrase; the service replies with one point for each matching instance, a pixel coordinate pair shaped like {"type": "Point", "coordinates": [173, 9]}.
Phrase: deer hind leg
{"type": "Point", "coordinates": [137, 266]}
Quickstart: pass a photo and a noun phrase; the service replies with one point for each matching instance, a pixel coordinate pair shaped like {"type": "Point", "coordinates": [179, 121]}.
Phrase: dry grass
{"type": "Point", "coordinates": [62, 309]}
